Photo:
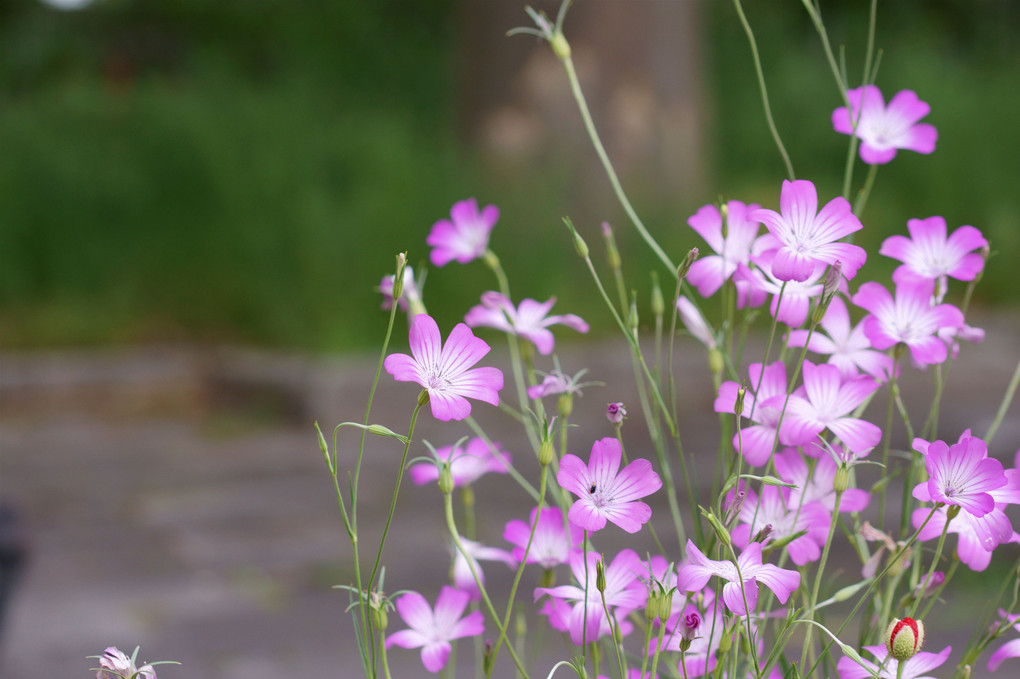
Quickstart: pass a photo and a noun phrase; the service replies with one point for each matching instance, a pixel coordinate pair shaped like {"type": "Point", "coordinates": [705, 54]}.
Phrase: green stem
{"type": "Point", "coordinates": [1004, 406]}
{"type": "Point", "coordinates": [818, 578]}
{"type": "Point", "coordinates": [934, 561]}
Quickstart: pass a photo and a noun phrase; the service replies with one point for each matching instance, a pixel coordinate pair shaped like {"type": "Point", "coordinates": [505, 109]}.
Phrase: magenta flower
{"type": "Point", "coordinates": [709, 272]}
{"type": "Point", "coordinates": [1010, 649]}
{"type": "Point", "coordinates": [793, 305]}
{"type": "Point", "coordinates": [931, 255]}
{"type": "Point", "coordinates": [916, 667]}
{"type": "Point", "coordinates": [465, 236]}
{"type": "Point", "coordinates": [698, 569]}
{"type": "Point", "coordinates": [605, 492]}
{"type": "Point", "coordinates": [884, 129]}
{"type": "Point", "coordinates": [755, 442]}
{"type": "Point", "coordinates": [848, 348]}
{"type": "Point", "coordinates": [468, 463]}
{"type": "Point", "coordinates": [817, 486]}
{"type": "Point", "coordinates": [909, 318]}
{"type": "Point", "coordinates": [463, 578]}
{"type": "Point", "coordinates": [616, 413]}
{"type": "Point", "coordinates": [553, 542]}
{"type": "Point", "coordinates": [700, 656]}
{"type": "Point", "coordinates": [961, 474]}
{"type": "Point", "coordinates": [826, 401]}
{"type": "Point", "coordinates": [445, 370]}
{"type": "Point", "coordinates": [530, 320]}
{"type": "Point", "coordinates": [808, 237]}
{"type": "Point", "coordinates": [787, 518]}
{"type": "Point", "coordinates": [433, 630]}
{"type": "Point", "coordinates": [624, 593]}
{"type": "Point", "coordinates": [978, 535]}
{"type": "Point", "coordinates": [115, 664]}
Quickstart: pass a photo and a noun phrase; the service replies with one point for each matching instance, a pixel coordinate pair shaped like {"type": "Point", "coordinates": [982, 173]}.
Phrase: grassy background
{"type": "Point", "coordinates": [245, 171]}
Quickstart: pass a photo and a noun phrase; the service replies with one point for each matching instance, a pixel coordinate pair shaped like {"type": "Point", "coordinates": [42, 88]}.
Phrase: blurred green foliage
{"type": "Point", "coordinates": [246, 170]}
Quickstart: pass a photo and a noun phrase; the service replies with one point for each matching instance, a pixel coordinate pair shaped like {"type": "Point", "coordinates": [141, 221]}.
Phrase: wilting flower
{"type": "Point", "coordinates": [884, 129]}
{"type": "Point", "coordinates": [1010, 649]}
{"type": "Point", "coordinates": [463, 577]}
{"type": "Point", "coordinates": [433, 630]}
{"type": "Point", "coordinates": [465, 236]}
{"type": "Point", "coordinates": [709, 272]}
{"type": "Point", "coordinates": [910, 318]}
{"type": "Point", "coordinates": [467, 463]}
{"type": "Point", "coordinates": [931, 255]}
{"type": "Point", "coordinates": [615, 413]}
{"type": "Point", "coordinates": [552, 544]}
{"type": "Point", "coordinates": [445, 370]}
{"type": "Point", "coordinates": [755, 442]}
{"type": "Point", "coordinates": [531, 320]}
{"type": "Point", "coordinates": [114, 664]}
{"type": "Point", "coordinates": [917, 667]}
{"type": "Point", "coordinates": [808, 236]}
{"type": "Point", "coordinates": [826, 401]}
{"type": "Point", "coordinates": [698, 569]}
{"type": "Point", "coordinates": [849, 349]}
{"type": "Point", "coordinates": [605, 492]}
{"type": "Point", "coordinates": [776, 509]}
{"type": "Point", "coordinates": [624, 593]}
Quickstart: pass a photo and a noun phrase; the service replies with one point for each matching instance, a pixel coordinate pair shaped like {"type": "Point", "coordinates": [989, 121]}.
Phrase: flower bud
{"type": "Point", "coordinates": [560, 46]}
{"type": "Point", "coordinates": [689, 624]}
{"type": "Point", "coordinates": [612, 253]}
{"type": "Point", "coordinates": [685, 266]}
{"type": "Point", "coordinates": [733, 505]}
{"type": "Point", "coordinates": [666, 604]}
{"type": "Point", "coordinates": [763, 534]}
{"type": "Point", "coordinates": [545, 451]}
{"type": "Point", "coordinates": [658, 304]}
{"type": "Point", "coordinates": [720, 530]}
{"type": "Point", "coordinates": [842, 479]}
{"type": "Point", "coordinates": [904, 638]}
{"type": "Point", "coordinates": [600, 576]}
{"type": "Point", "coordinates": [738, 405]}
{"type": "Point", "coordinates": [398, 280]}
{"type": "Point", "coordinates": [652, 605]}
{"type": "Point", "coordinates": [445, 480]}
{"type": "Point", "coordinates": [423, 398]}
{"type": "Point", "coordinates": [832, 281]}
{"type": "Point", "coordinates": [715, 361]}
{"type": "Point", "coordinates": [615, 413]}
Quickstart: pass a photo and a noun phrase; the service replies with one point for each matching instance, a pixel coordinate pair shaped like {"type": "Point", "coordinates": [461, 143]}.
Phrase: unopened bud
{"type": "Point", "coordinates": [666, 605]}
{"type": "Point", "coordinates": [733, 506]}
{"type": "Point", "coordinates": [685, 266]}
{"type": "Point", "coordinates": [689, 624]}
{"type": "Point", "coordinates": [715, 361]}
{"type": "Point", "coordinates": [633, 318]}
{"type": "Point", "coordinates": [832, 280]}
{"type": "Point", "coordinates": [658, 304]}
{"type": "Point", "coordinates": [579, 244]}
{"type": "Point", "coordinates": [720, 530]}
{"type": "Point", "coordinates": [842, 479]}
{"type": "Point", "coordinates": [545, 452]}
{"type": "Point", "coordinates": [615, 413]}
{"type": "Point", "coordinates": [652, 605]}
{"type": "Point", "coordinates": [763, 534]}
{"type": "Point", "coordinates": [423, 397]}
{"type": "Point", "coordinates": [600, 576]}
{"type": "Point", "coordinates": [904, 638]}
{"type": "Point", "coordinates": [560, 46]}
{"type": "Point", "coordinates": [446, 480]}
{"type": "Point", "coordinates": [612, 253]}
{"type": "Point", "coordinates": [933, 583]}
{"type": "Point", "coordinates": [738, 405]}
{"type": "Point", "coordinates": [398, 280]}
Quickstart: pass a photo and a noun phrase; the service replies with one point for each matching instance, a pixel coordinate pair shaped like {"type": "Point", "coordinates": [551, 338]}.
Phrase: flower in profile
{"type": "Point", "coordinates": [932, 255]}
{"type": "Point", "coordinates": [467, 463]}
{"type": "Point", "coordinates": [624, 592]}
{"type": "Point", "coordinates": [755, 442]}
{"type": "Point", "coordinates": [616, 413]}
{"type": "Point", "coordinates": [605, 492]}
{"type": "Point", "coordinates": [909, 318]}
{"type": "Point", "coordinates": [884, 129]}
{"type": "Point", "coordinates": [556, 383]}
{"type": "Point", "coordinates": [961, 474]}
{"type": "Point", "coordinates": [445, 370]}
{"type": "Point", "coordinates": [709, 272]}
{"type": "Point", "coordinates": [917, 667]}
{"type": "Point", "coordinates": [826, 401]}
{"type": "Point", "coordinates": [410, 296]}
{"type": "Point", "coordinates": [114, 664]}
{"type": "Point", "coordinates": [847, 346]}
{"type": "Point", "coordinates": [465, 567]}
{"type": "Point", "coordinates": [1010, 649]}
{"type": "Point", "coordinates": [698, 569]}
{"type": "Point", "coordinates": [695, 322]}
{"type": "Point", "coordinates": [552, 544]}
{"type": "Point", "coordinates": [465, 236]}
{"type": "Point", "coordinates": [531, 320]}
{"type": "Point", "coordinates": [808, 236]}
{"type": "Point", "coordinates": [433, 630]}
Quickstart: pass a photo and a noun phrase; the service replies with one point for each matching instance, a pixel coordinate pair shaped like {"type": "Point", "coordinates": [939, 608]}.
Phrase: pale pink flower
{"type": "Point", "coordinates": [115, 664]}
{"type": "Point", "coordinates": [808, 236]}
{"type": "Point", "coordinates": [909, 318]}
{"type": "Point", "coordinates": [931, 255]}
{"type": "Point", "coordinates": [552, 544]}
{"type": "Point", "coordinates": [605, 492]}
{"type": "Point", "coordinates": [698, 569]}
{"type": "Point", "coordinates": [826, 401]}
{"type": "Point", "coordinates": [468, 463]}
{"type": "Point", "coordinates": [709, 272]}
{"type": "Point", "coordinates": [816, 486]}
{"type": "Point", "coordinates": [433, 630]}
{"type": "Point", "coordinates": [917, 667]}
{"type": "Point", "coordinates": [695, 322]}
{"type": "Point", "coordinates": [1010, 649]}
{"type": "Point", "coordinates": [445, 371]}
{"type": "Point", "coordinates": [848, 348]}
{"type": "Point", "coordinates": [463, 578]}
{"type": "Point", "coordinates": [884, 129]}
{"type": "Point", "coordinates": [792, 306]}
{"type": "Point", "coordinates": [465, 236]}
{"type": "Point", "coordinates": [410, 296]}
{"type": "Point", "coordinates": [556, 383]}
{"type": "Point", "coordinates": [755, 442]}
{"type": "Point", "coordinates": [531, 320]}
{"type": "Point", "coordinates": [776, 509]}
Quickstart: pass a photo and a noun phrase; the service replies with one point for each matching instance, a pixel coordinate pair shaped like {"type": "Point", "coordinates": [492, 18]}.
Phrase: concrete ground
{"type": "Point", "coordinates": [175, 498]}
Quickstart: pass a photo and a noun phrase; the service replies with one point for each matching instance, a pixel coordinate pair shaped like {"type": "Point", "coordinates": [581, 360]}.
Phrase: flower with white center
{"type": "Point", "coordinates": [531, 320]}
{"type": "Point", "coordinates": [848, 347]}
{"type": "Point", "coordinates": [433, 630]}
{"type": "Point", "coordinates": [884, 129]}
{"type": "Point", "coordinates": [465, 236]}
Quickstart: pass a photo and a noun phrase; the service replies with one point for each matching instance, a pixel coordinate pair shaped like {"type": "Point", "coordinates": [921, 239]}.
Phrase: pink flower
{"type": "Point", "coordinates": [808, 237]}
{"type": "Point", "coordinates": [695, 322]}
{"type": "Point", "coordinates": [463, 578]}
{"type": "Point", "coordinates": [698, 569]}
{"type": "Point", "coordinates": [530, 321]}
{"type": "Point", "coordinates": [849, 349]}
{"type": "Point", "coordinates": [826, 401]}
{"type": "Point", "coordinates": [916, 667]}
{"type": "Point", "coordinates": [786, 518]}
{"type": "Point", "coordinates": [1010, 649]}
{"type": "Point", "coordinates": [884, 129]}
{"type": "Point", "coordinates": [930, 255]}
{"type": "Point", "coordinates": [755, 442]}
{"type": "Point", "coordinates": [445, 370]}
{"type": "Point", "coordinates": [616, 413]}
{"type": "Point", "coordinates": [792, 307]}
{"type": "Point", "coordinates": [709, 272]}
{"type": "Point", "coordinates": [605, 492]}
{"type": "Point", "coordinates": [555, 383]}
{"type": "Point", "coordinates": [114, 664]}
{"type": "Point", "coordinates": [465, 236]}
{"type": "Point", "coordinates": [553, 542]}
{"type": "Point", "coordinates": [909, 318]}
{"type": "Point", "coordinates": [431, 630]}
{"type": "Point", "coordinates": [467, 463]}
{"type": "Point", "coordinates": [624, 593]}
{"type": "Point", "coordinates": [961, 474]}
{"type": "Point", "coordinates": [817, 486]}
{"type": "Point", "coordinates": [410, 297]}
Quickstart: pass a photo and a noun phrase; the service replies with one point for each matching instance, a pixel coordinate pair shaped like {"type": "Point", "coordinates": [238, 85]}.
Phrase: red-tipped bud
{"type": "Point", "coordinates": [904, 638]}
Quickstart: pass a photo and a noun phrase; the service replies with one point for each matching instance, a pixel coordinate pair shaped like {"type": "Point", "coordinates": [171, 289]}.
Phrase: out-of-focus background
{"type": "Point", "coordinates": [197, 200]}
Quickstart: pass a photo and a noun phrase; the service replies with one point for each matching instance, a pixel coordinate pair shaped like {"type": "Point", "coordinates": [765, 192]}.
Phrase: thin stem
{"type": "Point", "coordinates": [1004, 406]}
{"type": "Point", "coordinates": [818, 577]}
{"type": "Point", "coordinates": [934, 562]}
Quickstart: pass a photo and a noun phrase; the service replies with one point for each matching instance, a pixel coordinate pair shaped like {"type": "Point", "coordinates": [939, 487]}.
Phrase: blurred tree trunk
{"type": "Point", "coordinates": [639, 62]}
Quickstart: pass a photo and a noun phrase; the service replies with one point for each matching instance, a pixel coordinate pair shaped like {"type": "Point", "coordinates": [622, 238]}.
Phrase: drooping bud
{"type": "Point", "coordinates": [615, 413]}
{"type": "Point", "coordinates": [904, 638]}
